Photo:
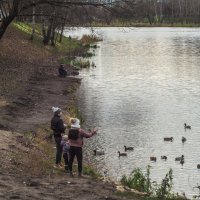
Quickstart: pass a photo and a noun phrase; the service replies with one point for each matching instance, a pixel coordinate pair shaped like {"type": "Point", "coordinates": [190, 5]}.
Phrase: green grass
{"type": "Point", "coordinates": [90, 171]}
{"type": "Point", "coordinates": [66, 46]}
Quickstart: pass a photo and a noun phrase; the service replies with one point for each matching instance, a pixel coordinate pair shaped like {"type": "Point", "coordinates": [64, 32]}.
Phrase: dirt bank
{"type": "Point", "coordinates": [16, 183]}
{"type": "Point", "coordinates": [29, 88]}
{"type": "Point", "coordinates": [30, 85]}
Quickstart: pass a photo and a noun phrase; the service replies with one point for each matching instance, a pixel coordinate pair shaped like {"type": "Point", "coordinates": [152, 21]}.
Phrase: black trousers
{"type": "Point", "coordinates": [58, 149]}
{"type": "Point", "coordinates": [65, 156]}
{"type": "Point", "coordinates": [75, 151]}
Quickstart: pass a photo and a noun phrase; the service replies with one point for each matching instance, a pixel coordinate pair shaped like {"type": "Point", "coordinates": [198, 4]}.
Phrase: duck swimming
{"type": "Point", "coordinates": [179, 158]}
{"type": "Point", "coordinates": [122, 154]}
{"type": "Point", "coordinates": [183, 139]}
{"type": "Point", "coordinates": [164, 157]}
{"type": "Point", "coordinates": [128, 148]}
{"type": "Point", "coordinates": [187, 126]}
{"type": "Point", "coordinates": [98, 153]}
{"type": "Point", "coordinates": [168, 139]}
{"type": "Point", "coordinates": [152, 158]}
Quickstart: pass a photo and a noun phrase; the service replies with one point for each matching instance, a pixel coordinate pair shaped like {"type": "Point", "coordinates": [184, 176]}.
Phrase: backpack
{"type": "Point", "coordinates": [73, 134]}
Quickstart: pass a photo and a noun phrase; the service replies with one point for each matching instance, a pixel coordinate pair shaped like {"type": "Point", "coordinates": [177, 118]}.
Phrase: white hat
{"type": "Point", "coordinates": [76, 123]}
{"type": "Point", "coordinates": [54, 109]}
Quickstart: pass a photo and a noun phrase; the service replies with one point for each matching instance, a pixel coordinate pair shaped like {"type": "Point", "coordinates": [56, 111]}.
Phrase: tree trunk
{"type": "Point", "coordinates": [53, 36]}
{"type": "Point", "coordinates": [33, 23]}
{"type": "Point", "coordinates": [9, 18]}
{"type": "Point", "coordinates": [61, 34]}
{"type": "Point", "coordinates": [5, 23]}
{"type": "Point", "coordinates": [48, 35]}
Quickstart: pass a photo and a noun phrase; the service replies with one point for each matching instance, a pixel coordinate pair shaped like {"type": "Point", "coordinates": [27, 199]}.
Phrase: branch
{"type": "Point", "coordinates": [69, 3]}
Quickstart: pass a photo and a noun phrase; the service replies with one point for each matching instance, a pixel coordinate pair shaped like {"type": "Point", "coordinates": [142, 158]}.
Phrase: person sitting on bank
{"type": "Point", "coordinates": [75, 136]}
{"type": "Point", "coordinates": [58, 128]}
{"type": "Point", "coordinates": [65, 148]}
{"type": "Point", "coordinates": [61, 70]}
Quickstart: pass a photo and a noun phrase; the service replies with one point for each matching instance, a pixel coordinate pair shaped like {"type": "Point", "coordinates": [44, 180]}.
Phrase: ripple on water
{"type": "Point", "coordinates": [146, 86]}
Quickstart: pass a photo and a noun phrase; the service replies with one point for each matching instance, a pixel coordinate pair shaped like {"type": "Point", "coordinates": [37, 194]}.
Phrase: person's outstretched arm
{"type": "Point", "coordinates": [87, 134]}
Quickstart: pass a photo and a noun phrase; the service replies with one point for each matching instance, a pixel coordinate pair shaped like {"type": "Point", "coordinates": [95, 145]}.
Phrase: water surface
{"type": "Point", "coordinates": [145, 87]}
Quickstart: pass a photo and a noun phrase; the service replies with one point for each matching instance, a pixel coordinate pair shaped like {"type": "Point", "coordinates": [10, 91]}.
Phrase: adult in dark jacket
{"type": "Point", "coordinates": [58, 128]}
{"type": "Point", "coordinates": [62, 72]}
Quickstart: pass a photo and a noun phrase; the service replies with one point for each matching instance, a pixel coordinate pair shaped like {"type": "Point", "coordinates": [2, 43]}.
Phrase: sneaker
{"type": "Point", "coordinates": [57, 166]}
{"type": "Point", "coordinates": [61, 165]}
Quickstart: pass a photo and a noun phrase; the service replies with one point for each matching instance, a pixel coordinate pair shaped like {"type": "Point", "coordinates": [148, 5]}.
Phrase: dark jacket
{"type": "Point", "coordinates": [57, 126]}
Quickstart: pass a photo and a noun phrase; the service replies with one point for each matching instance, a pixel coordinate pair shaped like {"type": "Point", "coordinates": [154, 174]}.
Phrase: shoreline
{"type": "Point", "coordinates": [27, 156]}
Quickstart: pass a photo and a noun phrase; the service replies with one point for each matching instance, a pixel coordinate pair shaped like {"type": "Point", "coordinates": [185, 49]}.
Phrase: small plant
{"type": "Point", "coordinates": [88, 39]}
{"type": "Point", "coordinates": [137, 180]}
{"type": "Point", "coordinates": [88, 170]}
{"type": "Point", "coordinates": [80, 63]}
{"type": "Point", "coordinates": [94, 46]}
{"type": "Point", "coordinates": [74, 112]}
{"type": "Point", "coordinates": [164, 190]}
{"type": "Point", "coordinates": [65, 60]}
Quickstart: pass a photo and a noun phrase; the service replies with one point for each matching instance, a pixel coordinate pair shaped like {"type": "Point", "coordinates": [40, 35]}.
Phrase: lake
{"type": "Point", "coordinates": [145, 86]}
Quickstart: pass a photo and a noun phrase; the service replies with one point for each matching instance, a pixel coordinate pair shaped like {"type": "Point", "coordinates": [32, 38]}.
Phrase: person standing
{"type": "Point", "coordinates": [75, 136]}
{"type": "Point", "coordinates": [58, 128]}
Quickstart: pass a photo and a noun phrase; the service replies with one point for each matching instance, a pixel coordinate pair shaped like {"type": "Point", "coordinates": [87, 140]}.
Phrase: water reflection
{"type": "Point", "coordinates": [145, 87]}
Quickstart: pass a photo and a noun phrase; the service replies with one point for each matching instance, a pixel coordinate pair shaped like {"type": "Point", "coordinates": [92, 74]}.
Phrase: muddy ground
{"type": "Point", "coordinates": [16, 183]}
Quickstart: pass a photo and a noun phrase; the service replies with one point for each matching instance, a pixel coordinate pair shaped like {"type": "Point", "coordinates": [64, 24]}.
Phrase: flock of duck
{"type": "Point", "coordinates": [180, 159]}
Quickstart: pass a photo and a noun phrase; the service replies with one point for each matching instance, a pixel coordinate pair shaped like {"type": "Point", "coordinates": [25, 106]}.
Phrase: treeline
{"type": "Point", "coordinates": [55, 15]}
{"type": "Point", "coordinates": [164, 11]}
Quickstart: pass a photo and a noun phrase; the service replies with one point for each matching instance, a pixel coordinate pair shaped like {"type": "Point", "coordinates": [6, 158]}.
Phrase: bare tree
{"type": "Point", "coordinates": [13, 8]}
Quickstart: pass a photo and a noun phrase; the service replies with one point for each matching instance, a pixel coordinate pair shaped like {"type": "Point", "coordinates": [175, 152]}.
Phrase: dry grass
{"type": "Point", "coordinates": [88, 39]}
{"type": "Point", "coordinates": [3, 103]}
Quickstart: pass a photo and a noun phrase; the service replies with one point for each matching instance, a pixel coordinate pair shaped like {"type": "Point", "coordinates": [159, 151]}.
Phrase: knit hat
{"type": "Point", "coordinates": [56, 110]}
{"type": "Point", "coordinates": [75, 123]}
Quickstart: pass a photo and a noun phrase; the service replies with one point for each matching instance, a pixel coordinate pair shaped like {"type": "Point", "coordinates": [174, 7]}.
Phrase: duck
{"type": "Point", "coordinates": [183, 139]}
{"type": "Point", "coordinates": [198, 166]}
{"type": "Point", "coordinates": [187, 126]}
{"type": "Point", "coordinates": [128, 148]}
{"type": "Point", "coordinates": [182, 161]}
{"type": "Point", "coordinates": [122, 154]}
{"type": "Point", "coordinates": [168, 139]}
{"type": "Point", "coordinates": [152, 158]}
{"type": "Point", "coordinates": [98, 153]}
{"type": "Point", "coordinates": [164, 157]}
{"type": "Point", "coordinates": [179, 158]}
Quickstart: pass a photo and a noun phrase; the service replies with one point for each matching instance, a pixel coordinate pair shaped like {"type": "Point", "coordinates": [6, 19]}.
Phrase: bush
{"type": "Point", "coordinates": [164, 190]}
{"type": "Point", "coordinates": [88, 39]}
{"type": "Point", "coordinates": [137, 180]}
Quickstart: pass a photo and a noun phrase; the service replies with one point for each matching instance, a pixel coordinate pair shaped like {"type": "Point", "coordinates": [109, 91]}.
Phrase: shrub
{"type": "Point", "coordinates": [164, 189]}
{"type": "Point", "coordinates": [88, 39]}
{"type": "Point", "coordinates": [137, 180]}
